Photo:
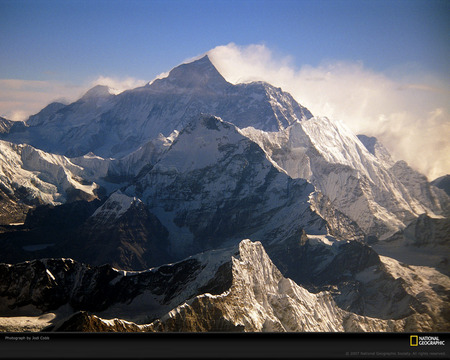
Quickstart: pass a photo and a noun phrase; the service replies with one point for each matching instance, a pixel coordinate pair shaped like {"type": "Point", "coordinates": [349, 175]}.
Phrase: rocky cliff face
{"type": "Point", "coordinates": [5, 125]}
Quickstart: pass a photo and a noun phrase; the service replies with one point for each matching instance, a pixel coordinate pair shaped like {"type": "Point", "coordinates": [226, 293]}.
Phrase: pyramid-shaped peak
{"type": "Point", "coordinates": [98, 91]}
{"type": "Point", "coordinates": [204, 62]}
{"type": "Point", "coordinates": [200, 73]}
{"type": "Point", "coordinates": [203, 66]}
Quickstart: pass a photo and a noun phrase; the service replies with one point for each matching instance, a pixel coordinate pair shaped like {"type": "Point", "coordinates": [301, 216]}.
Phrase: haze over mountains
{"type": "Point", "coordinates": [182, 171]}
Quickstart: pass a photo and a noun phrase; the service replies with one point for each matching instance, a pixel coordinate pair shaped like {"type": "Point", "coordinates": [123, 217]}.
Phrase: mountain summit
{"type": "Point", "coordinates": [199, 74]}
{"type": "Point", "coordinates": [116, 125]}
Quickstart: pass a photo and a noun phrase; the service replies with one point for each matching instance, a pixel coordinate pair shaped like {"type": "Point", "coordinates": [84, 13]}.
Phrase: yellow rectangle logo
{"type": "Point", "coordinates": [414, 340]}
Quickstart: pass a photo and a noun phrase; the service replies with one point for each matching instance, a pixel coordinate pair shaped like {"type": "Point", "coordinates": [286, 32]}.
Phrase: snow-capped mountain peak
{"type": "Point", "coordinates": [193, 149]}
{"type": "Point", "coordinates": [117, 125]}
{"type": "Point", "coordinates": [328, 154]}
{"type": "Point", "coordinates": [199, 74]}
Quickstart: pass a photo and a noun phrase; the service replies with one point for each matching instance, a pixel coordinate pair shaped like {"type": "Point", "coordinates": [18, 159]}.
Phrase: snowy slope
{"type": "Point", "coordinates": [146, 156]}
{"type": "Point", "coordinates": [215, 185]}
{"type": "Point", "coordinates": [113, 173]}
{"type": "Point", "coordinates": [35, 177]}
{"type": "Point", "coordinates": [354, 181]}
{"type": "Point", "coordinates": [377, 149]}
{"type": "Point", "coordinates": [420, 189]}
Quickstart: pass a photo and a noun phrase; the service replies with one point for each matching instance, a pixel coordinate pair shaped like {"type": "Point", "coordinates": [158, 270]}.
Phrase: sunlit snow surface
{"type": "Point", "coordinates": [45, 176]}
{"type": "Point", "coordinates": [355, 181]}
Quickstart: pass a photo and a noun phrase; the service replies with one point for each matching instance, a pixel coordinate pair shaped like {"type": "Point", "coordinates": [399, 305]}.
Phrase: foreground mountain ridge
{"type": "Point", "coordinates": [235, 289]}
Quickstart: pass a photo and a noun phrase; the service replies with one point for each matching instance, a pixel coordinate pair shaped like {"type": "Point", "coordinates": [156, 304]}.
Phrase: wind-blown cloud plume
{"type": "Point", "coordinates": [407, 111]}
{"type": "Point", "coordinates": [118, 85]}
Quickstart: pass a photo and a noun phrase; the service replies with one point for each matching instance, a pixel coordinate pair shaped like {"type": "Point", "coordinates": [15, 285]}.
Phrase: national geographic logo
{"type": "Point", "coordinates": [415, 340]}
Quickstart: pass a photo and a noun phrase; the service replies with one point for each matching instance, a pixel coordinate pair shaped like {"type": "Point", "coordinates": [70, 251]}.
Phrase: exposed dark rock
{"type": "Point", "coordinates": [51, 283]}
{"type": "Point", "coordinates": [135, 241]}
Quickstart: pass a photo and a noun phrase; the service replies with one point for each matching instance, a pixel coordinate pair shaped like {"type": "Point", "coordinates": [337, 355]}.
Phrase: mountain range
{"type": "Point", "coordinates": [194, 204]}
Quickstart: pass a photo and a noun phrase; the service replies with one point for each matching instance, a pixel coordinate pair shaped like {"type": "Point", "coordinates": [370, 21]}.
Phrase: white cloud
{"type": "Point", "coordinates": [410, 114]}
{"type": "Point", "coordinates": [118, 85]}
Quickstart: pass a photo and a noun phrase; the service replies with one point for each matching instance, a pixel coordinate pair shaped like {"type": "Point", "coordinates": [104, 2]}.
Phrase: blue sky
{"type": "Point", "coordinates": [380, 66]}
{"type": "Point", "coordinates": [72, 40]}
